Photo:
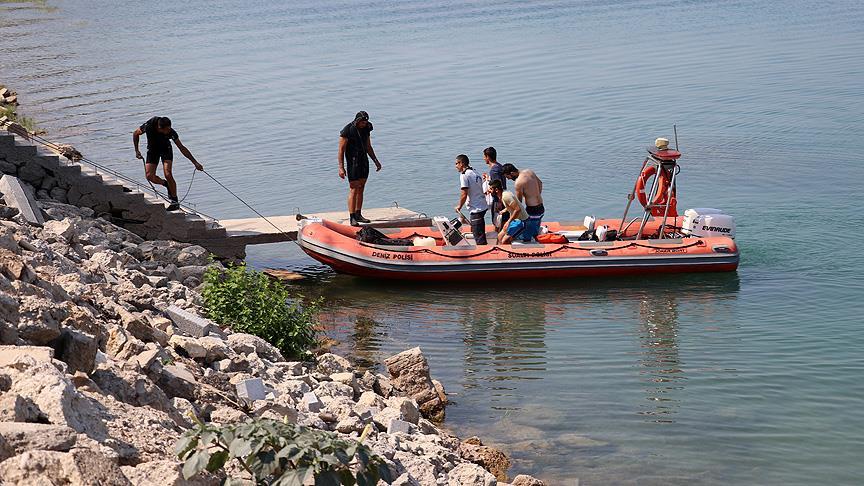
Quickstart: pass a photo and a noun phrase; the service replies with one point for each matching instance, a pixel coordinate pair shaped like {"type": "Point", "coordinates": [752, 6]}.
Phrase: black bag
{"type": "Point", "coordinates": [371, 235]}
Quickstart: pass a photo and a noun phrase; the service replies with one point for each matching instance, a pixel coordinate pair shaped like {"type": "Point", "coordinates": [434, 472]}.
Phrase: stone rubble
{"type": "Point", "coordinates": [105, 358]}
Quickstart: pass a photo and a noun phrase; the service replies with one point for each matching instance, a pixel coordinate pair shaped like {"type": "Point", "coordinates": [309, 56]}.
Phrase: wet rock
{"type": "Point", "coordinates": [17, 437]}
{"type": "Point", "coordinates": [77, 350]}
{"type": "Point", "coordinates": [493, 460]}
{"type": "Point", "coordinates": [410, 372]}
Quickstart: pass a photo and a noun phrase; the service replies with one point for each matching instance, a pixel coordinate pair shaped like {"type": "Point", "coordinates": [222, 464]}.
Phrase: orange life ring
{"type": "Point", "coordinates": [659, 202]}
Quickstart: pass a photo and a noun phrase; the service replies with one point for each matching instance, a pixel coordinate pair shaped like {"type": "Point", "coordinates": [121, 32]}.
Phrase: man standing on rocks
{"type": "Point", "coordinates": [159, 136]}
{"type": "Point", "coordinates": [355, 146]}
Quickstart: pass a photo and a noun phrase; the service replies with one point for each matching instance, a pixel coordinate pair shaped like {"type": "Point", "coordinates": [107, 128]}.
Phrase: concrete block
{"type": "Point", "coordinates": [189, 323]}
{"type": "Point", "coordinates": [251, 389]}
{"type": "Point", "coordinates": [8, 354]}
{"type": "Point", "coordinates": [398, 426]}
{"type": "Point", "coordinates": [311, 402]}
{"type": "Point", "coordinates": [17, 197]}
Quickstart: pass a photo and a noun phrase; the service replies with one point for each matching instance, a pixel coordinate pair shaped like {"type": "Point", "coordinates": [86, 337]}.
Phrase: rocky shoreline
{"type": "Point", "coordinates": [105, 359]}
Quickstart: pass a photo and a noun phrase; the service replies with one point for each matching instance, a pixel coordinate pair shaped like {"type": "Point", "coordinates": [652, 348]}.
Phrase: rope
{"type": "Point", "coordinates": [250, 207]}
{"type": "Point", "coordinates": [541, 254]}
{"type": "Point", "coordinates": [56, 148]}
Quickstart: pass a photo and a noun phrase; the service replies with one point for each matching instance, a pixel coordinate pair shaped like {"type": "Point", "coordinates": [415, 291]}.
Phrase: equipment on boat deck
{"type": "Point", "coordinates": [708, 222]}
{"type": "Point", "coordinates": [449, 229]}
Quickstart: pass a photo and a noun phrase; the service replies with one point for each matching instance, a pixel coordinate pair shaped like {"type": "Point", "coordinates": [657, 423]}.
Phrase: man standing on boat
{"type": "Point", "coordinates": [355, 146]}
{"type": "Point", "coordinates": [159, 136]}
{"type": "Point", "coordinates": [528, 188]}
{"type": "Point", "coordinates": [471, 185]}
{"type": "Point", "coordinates": [490, 156]}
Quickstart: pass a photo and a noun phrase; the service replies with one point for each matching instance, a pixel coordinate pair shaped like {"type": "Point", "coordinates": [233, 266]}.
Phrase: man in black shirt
{"type": "Point", "coordinates": [355, 147]}
{"type": "Point", "coordinates": [159, 136]}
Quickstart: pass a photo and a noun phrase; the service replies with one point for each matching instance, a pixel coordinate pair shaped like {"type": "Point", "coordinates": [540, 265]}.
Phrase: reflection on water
{"type": "Point", "coordinates": [543, 369]}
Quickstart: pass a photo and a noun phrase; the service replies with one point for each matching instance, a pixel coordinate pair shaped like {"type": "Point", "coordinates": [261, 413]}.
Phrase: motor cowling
{"type": "Point", "coordinates": [705, 222]}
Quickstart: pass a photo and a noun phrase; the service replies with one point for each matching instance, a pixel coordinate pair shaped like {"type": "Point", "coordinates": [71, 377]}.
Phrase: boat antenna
{"type": "Point", "coordinates": [675, 130]}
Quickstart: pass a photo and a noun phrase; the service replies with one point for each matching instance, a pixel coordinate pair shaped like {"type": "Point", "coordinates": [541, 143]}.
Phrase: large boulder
{"type": "Point", "coordinates": [409, 371]}
{"type": "Point", "coordinates": [53, 393]}
{"type": "Point", "coordinates": [18, 437]}
{"type": "Point", "coordinates": [48, 468]}
{"type": "Point", "coordinates": [163, 473]}
{"type": "Point", "coordinates": [491, 459]}
{"type": "Point", "coordinates": [244, 344]}
{"type": "Point", "coordinates": [467, 474]}
{"type": "Point", "coordinates": [77, 350]}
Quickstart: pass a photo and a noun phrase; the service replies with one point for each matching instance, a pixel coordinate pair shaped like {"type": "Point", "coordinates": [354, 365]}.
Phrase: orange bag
{"type": "Point", "coordinates": [551, 238]}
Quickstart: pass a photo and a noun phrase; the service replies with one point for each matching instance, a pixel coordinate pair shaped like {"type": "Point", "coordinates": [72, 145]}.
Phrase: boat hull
{"type": "Point", "coordinates": [334, 245]}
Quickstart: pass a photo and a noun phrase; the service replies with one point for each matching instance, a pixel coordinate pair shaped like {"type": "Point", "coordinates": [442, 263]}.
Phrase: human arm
{"type": "Point", "coordinates": [185, 151]}
{"type": "Point", "coordinates": [463, 196]}
{"type": "Point", "coordinates": [371, 152]}
{"type": "Point", "coordinates": [343, 143]}
{"type": "Point", "coordinates": [514, 210]}
{"type": "Point", "coordinates": [136, 137]}
{"type": "Point", "coordinates": [519, 189]}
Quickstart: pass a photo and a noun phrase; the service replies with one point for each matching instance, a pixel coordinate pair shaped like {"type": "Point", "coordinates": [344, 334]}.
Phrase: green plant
{"type": "Point", "coordinates": [280, 454]}
{"type": "Point", "coordinates": [9, 111]}
{"type": "Point", "coordinates": [250, 302]}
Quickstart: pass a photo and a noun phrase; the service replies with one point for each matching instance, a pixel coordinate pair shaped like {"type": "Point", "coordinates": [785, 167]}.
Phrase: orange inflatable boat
{"type": "Point", "coordinates": [337, 246]}
{"type": "Point", "coordinates": [662, 242]}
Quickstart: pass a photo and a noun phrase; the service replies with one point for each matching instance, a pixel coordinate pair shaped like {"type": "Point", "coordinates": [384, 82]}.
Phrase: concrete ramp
{"type": "Point", "coordinates": [255, 230]}
{"type": "Point", "coordinates": [17, 197]}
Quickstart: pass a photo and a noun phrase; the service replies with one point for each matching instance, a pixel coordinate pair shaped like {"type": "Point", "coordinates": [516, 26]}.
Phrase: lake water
{"type": "Point", "coordinates": [746, 378]}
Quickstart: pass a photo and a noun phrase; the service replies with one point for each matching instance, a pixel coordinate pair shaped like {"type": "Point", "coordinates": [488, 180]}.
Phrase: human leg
{"type": "Point", "coordinates": [478, 227]}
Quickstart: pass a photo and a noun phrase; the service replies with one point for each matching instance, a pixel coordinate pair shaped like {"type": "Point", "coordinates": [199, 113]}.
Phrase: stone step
{"type": "Point", "coordinates": [7, 140]}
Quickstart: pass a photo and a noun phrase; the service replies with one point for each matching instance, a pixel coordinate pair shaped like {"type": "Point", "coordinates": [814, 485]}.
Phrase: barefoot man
{"type": "Point", "coordinates": [528, 188]}
{"type": "Point", "coordinates": [355, 146]}
{"type": "Point", "coordinates": [159, 136]}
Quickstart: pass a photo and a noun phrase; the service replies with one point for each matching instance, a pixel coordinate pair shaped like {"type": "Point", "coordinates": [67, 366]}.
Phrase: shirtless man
{"type": "Point", "coordinates": [528, 188]}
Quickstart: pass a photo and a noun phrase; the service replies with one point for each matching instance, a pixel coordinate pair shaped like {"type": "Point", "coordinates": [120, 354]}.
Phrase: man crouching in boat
{"type": "Point", "coordinates": [514, 227]}
{"type": "Point", "coordinates": [528, 189]}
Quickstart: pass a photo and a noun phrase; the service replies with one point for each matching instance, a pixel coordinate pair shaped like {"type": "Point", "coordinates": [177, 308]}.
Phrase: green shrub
{"type": "Point", "coordinates": [279, 453]}
{"type": "Point", "coordinates": [250, 302]}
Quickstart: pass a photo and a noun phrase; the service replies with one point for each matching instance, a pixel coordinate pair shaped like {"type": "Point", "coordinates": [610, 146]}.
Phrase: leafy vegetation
{"type": "Point", "coordinates": [280, 454]}
{"type": "Point", "coordinates": [9, 111]}
{"type": "Point", "coordinates": [250, 302]}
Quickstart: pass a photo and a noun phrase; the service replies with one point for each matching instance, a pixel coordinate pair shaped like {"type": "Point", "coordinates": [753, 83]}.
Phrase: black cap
{"type": "Point", "coordinates": [361, 115]}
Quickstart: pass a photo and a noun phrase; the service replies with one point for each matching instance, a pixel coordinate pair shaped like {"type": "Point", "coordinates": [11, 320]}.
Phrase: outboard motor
{"type": "Point", "coordinates": [704, 222]}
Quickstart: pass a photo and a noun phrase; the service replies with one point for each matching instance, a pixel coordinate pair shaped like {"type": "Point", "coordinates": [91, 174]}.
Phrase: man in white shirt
{"type": "Point", "coordinates": [471, 185]}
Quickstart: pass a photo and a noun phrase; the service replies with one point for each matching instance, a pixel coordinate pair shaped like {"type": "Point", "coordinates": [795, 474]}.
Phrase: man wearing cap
{"type": "Point", "coordinates": [355, 147]}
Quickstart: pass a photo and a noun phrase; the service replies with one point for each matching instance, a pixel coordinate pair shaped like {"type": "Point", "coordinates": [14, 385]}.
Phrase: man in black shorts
{"type": "Point", "coordinates": [159, 136]}
{"type": "Point", "coordinates": [355, 147]}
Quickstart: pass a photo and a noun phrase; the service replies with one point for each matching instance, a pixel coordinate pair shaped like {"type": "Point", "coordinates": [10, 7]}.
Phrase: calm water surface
{"type": "Point", "coordinates": [746, 378]}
